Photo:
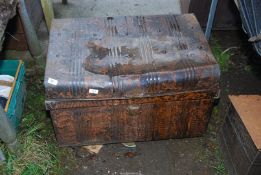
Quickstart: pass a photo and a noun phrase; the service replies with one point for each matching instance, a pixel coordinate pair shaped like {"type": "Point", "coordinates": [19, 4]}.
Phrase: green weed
{"type": "Point", "coordinates": [39, 153]}
{"type": "Point", "coordinates": [219, 166]}
{"type": "Point", "coordinates": [222, 56]}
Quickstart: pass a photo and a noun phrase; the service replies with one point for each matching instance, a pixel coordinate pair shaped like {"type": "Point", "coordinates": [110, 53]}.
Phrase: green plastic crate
{"type": "Point", "coordinates": [16, 104]}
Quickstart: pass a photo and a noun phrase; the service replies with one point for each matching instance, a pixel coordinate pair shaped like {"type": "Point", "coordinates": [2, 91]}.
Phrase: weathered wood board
{"type": "Point", "coordinates": [241, 134]}
{"type": "Point", "coordinates": [48, 12]}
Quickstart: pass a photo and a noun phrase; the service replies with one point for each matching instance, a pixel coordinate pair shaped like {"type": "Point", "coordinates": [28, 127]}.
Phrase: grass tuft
{"type": "Point", "coordinates": [222, 56]}
{"type": "Point", "coordinates": [220, 166]}
{"type": "Point", "coordinates": [39, 153]}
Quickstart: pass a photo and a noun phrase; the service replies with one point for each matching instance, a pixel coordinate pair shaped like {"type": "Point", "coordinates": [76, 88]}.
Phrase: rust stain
{"type": "Point", "coordinates": [154, 77]}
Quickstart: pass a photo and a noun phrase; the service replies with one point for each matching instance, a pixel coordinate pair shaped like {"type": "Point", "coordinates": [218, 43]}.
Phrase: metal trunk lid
{"type": "Point", "coordinates": [128, 57]}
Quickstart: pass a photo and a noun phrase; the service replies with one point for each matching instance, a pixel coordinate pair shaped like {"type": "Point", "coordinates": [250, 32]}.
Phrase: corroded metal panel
{"type": "Point", "coordinates": [134, 122]}
{"type": "Point", "coordinates": [127, 79]}
{"type": "Point", "coordinates": [125, 57]}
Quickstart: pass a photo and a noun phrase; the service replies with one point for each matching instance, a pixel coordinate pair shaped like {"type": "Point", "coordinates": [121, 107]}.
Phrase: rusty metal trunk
{"type": "Point", "coordinates": [135, 78]}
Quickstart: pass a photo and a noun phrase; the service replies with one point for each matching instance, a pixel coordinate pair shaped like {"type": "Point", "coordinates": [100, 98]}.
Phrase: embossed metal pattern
{"type": "Point", "coordinates": [127, 57]}
{"type": "Point", "coordinates": [125, 79]}
{"type": "Point", "coordinates": [126, 123]}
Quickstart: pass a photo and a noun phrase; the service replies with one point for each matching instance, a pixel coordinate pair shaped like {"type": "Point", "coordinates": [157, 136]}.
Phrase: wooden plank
{"type": "Point", "coordinates": [13, 86]}
{"type": "Point", "coordinates": [5, 83]}
{"type": "Point", "coordinates": [244, 139]}
{"type": "Point", "coordinates": [184, 6]}
{"type": "Point", "coordinates": [249, 110]}
{"type": "Point", "coordinates": [48, 12]}
{"type": "Point", "coordinates": [236, 138]}
{"type": "Point", "coordinates": [234, 148]}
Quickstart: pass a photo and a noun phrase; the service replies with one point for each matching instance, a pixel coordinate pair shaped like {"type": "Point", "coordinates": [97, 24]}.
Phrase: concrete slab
{"type": "Point", "coordinates": [88, 8]}
{"type": "Point", "coordinates": [168, 157]}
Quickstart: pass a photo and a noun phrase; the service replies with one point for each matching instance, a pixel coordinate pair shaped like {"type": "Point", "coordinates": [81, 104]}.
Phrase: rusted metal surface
{"type": "Point", "coordinates": [238, 144]}
{"type": "Point", "coordinates": [126, 57]}
{"type": "Point", "coordinates": [129, 79]}
{"type": "Point", "coordinates": [133, 122]}
{"type": "Point", "coordinates": [84, 103]}
{"type": "Point", "coordinates": [7, 11]}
